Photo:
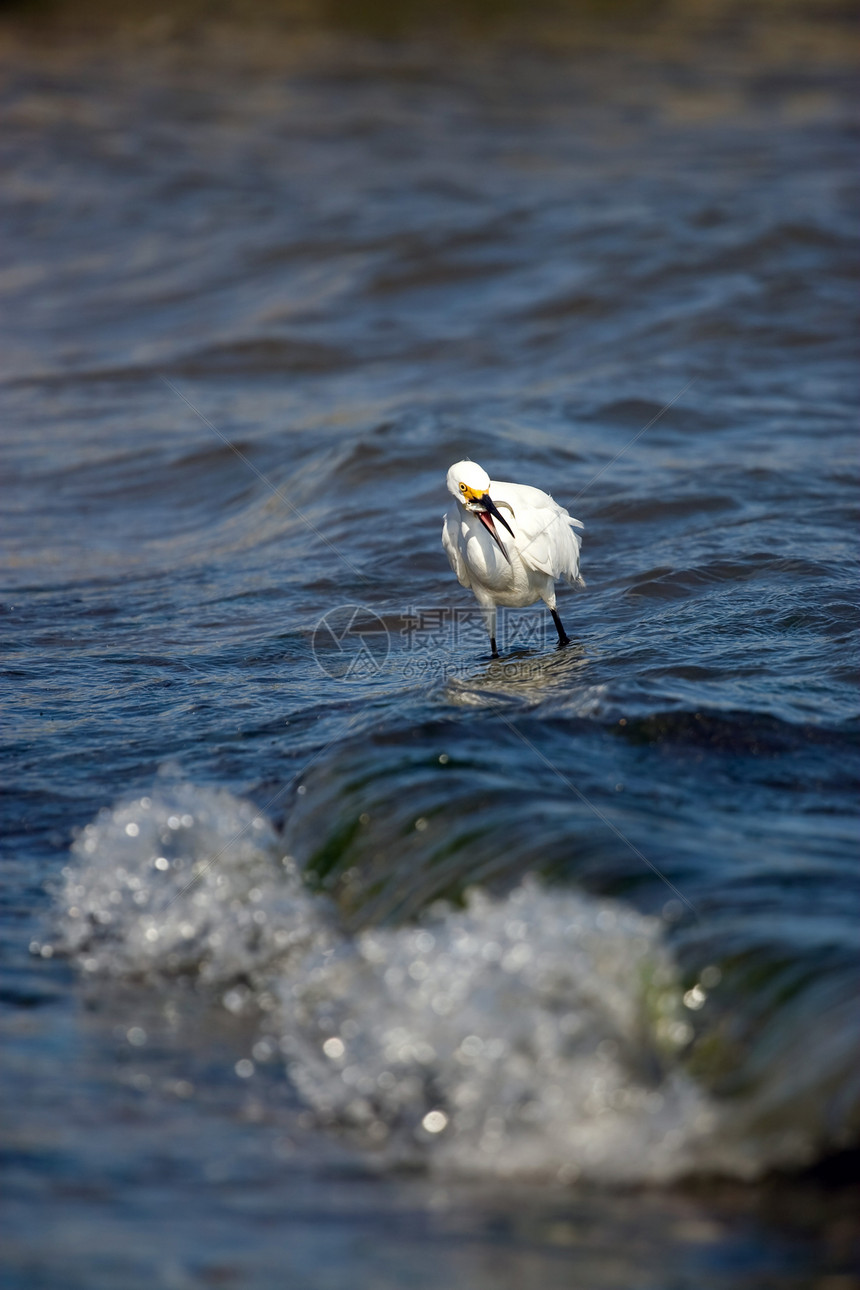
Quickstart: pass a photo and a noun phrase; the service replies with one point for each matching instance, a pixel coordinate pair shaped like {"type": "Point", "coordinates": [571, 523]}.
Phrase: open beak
{"type": "Point", "coordinates": [489, 505]}
{"type": "Point", "coordinates": [485, 508]}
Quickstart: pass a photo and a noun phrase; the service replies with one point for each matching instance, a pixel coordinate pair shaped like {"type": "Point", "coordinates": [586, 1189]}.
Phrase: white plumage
{"type": "Point", "coordinates": [517, 563]}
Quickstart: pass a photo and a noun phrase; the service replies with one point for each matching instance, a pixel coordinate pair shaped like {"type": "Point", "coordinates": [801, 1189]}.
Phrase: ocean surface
{"type": "Point", "coordinates": [333, 952]}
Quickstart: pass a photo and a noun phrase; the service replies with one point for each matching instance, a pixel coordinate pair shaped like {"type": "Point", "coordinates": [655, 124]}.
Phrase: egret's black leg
{"type": "Point", "coordinates": [563, 638]}
{"type": "Point", "coordinates": [494, 653]}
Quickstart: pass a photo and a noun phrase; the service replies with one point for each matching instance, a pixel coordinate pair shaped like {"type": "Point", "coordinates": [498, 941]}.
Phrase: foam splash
{"type": "Point", "coordinates": [531, 1035]}
{"type": "Point", "coordinates": [188, 881]}
{"type": "Point", "coordinates": [535, 1034]}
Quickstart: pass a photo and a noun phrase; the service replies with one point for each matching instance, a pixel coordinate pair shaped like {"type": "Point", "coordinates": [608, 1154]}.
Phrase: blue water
{"type": "Point", "coordinates": [546, 927]}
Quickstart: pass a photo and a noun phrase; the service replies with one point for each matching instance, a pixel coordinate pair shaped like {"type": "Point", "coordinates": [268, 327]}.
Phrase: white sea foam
{"type": "Point", "coordinates": [535, 1034]}
{"type": "Point", "coordinates": [531, 1035]}
{"type": "Point", "coordinates": [186, 881]}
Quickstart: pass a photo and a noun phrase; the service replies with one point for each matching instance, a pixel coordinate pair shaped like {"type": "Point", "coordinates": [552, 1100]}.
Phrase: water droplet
{"type": "Point", "coordinates": [434, 1121]}
{"type": "Point", "coordinates": [695, 998]}
{"type": "Point", "coordinates": [234, 1000]}
{"type": "Point", "coordinates": [472, 1046]}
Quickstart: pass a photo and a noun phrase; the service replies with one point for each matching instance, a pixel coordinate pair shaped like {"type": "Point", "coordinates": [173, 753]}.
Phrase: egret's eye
{"type": "Point", "coordinates": [462, 488]}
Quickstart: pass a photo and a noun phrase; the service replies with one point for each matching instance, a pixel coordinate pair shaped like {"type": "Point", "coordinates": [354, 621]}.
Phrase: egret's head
{"type": "Point", "coordinates": [468, 482]}
{"type": "Point", "coordinates": [471, 486]}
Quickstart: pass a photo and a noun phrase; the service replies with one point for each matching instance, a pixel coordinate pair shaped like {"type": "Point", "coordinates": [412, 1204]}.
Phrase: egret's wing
{"type": "Point", "coordinates": [545, 538]}
{"type": "Point", "coordinates": [451, 537]}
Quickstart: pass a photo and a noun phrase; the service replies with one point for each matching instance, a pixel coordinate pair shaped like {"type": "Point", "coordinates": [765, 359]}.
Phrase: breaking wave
{"type": "Point", "coordinates": [543, 1033]}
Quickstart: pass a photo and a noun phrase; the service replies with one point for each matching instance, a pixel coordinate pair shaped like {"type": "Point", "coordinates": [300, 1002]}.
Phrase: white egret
{"type": "Point", "coordinates": [514, 570]}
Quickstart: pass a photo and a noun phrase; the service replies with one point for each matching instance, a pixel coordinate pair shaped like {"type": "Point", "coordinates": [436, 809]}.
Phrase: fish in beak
{"type": "Point", "coordinates": [486, 509]}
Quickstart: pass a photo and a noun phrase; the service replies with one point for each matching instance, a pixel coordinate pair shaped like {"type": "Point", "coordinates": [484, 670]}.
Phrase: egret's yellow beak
{"type": "Point", "coordinates": [482, 505]}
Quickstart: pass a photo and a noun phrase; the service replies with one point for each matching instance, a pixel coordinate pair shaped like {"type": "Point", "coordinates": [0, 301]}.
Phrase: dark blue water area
{"type": "Point", "coordinates": [261, 288]}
